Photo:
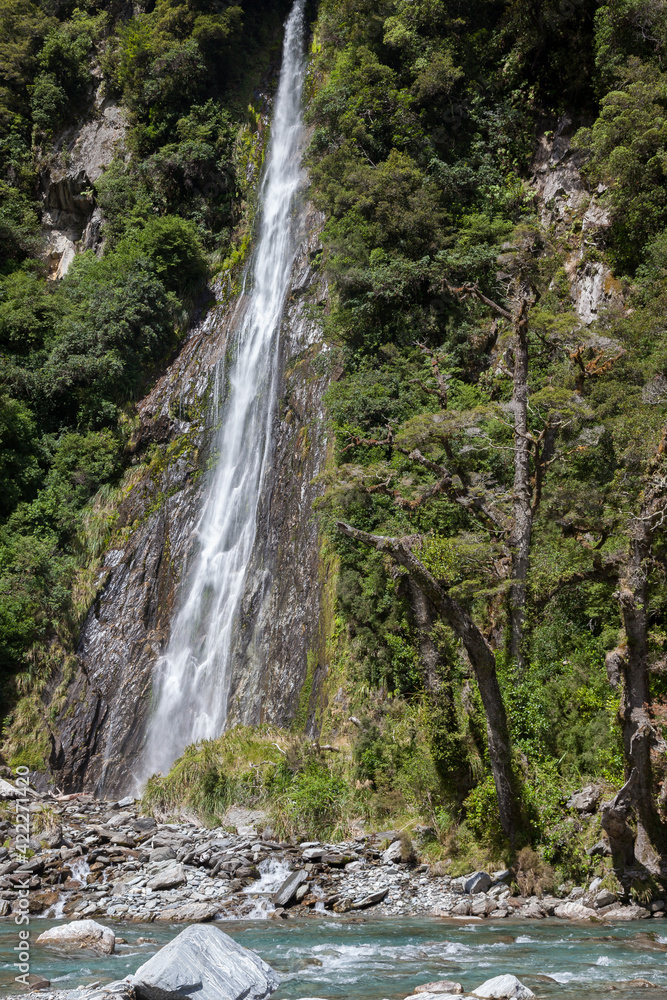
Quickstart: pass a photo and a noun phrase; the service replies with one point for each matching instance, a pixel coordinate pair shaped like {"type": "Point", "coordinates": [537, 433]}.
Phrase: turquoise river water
{"type": "Point", "coordinates": [371, 959]}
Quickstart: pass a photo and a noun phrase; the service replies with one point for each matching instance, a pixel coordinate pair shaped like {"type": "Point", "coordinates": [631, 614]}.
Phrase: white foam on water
{"type": "Point", "coordinates": [273, 873]}
{"type": "Point", "coordinates": [604, 960]}
{"type": "Point", "coordinates": [80, 870]}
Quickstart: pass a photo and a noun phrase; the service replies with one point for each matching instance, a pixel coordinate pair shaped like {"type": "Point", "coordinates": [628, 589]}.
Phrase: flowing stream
{"type": "Point", "coordinates": [376, 959]}
{"type": "Point", "coordinates": [193, 677]}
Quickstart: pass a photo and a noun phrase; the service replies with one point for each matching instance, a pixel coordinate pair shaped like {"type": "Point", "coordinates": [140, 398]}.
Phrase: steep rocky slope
{"type": "Point", "coordinates": [101, 712]}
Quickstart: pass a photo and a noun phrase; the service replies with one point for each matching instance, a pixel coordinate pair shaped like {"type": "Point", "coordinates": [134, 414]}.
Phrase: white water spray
{"type": "Point", "coordinates": [193, 677]}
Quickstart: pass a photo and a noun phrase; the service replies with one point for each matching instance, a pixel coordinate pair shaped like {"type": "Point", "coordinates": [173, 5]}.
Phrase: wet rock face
{"type": "Point", "coordinates": [280, 608]}
{"type": "Point", "coordinates": [102, 715]}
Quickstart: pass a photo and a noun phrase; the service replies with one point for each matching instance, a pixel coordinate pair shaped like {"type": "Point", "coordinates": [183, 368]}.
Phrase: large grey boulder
{"type": "Point", "coordinates": [205, 963]}
{"type": "Point", "coordinates": [170, 877]}
{"type": "Point", "coordinates": [86, 934]}
{"type": "Point", "coordinates": [586, 801]}
{"type": "Point", "coordinates": [478, 882]}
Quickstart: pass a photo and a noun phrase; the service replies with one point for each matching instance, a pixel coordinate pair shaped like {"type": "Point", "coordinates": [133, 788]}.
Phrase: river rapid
{"type": "Point", "coordinates": [371, 959]}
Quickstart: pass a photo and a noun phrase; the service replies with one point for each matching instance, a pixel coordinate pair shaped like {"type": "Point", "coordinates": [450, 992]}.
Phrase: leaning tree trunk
{"type": "Point", "coordinates": [483, 663]}
{"type": "Point", "coordinates": [638, 798]}
{"type": "Point", "coordinates": [522, 522]}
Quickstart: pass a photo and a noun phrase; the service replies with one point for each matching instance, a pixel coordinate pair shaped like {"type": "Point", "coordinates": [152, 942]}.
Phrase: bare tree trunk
{"type": "Point", "coordinates": [630, 662]}
{"type": "Point", "coordinates": [483, 663]}
{"type": "Point", "coordinates": [638, 730]}
{"type": "Point", "coordinates": [428, 653]}
{"type": "Point", "coordinates": [522, 526]}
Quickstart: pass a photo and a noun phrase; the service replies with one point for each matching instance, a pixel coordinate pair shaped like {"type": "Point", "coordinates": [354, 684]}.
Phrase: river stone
{"type": "Point", "coordinates": [632, 912]}
{"type": "Point", "coordinates": [314, 853]}
{"type": "Point", "coordinates": [205, 963]}
{"type": "Point", "coordinates": [573, 911]}
{"type": "Point", "coordinates": [162, 854]}
{"type": "Point", "coordinates": [80, 934]}
{"type": "Point", "coordinates": [188, 912]}
{"type": "Point", "coordinates": [434, 996]}
{"type": "Point", "coordinates": [169, 878]}
{"type": "Point", "coordinates": [393, 853]}
{"type": "Point", "coordinates": [442, 986]}
{"type": "Point", "coordinates": [287, 891]}
{"type": "Point", "coordinates": [503, 988]}
{"type": "Point", "coordinates": [478, 882]}
{"type": "Point", "coordinates": [371, 900]}
{"type": "Point", "coordinates": [604, 898]}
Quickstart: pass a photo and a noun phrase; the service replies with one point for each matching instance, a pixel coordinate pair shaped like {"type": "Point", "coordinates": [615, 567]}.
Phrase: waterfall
{"type": "Point", "coordinates": [192, 679]}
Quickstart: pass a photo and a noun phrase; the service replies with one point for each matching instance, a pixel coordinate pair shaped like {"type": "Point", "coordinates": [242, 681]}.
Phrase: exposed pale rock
{"type": "Point", "coordinates": [478, 882]}
{"type": "Point", "coordinates": [195, 912]}
{"type": "Point", "coordinates": [573, 911]}
{"type": "Point", "coordinates": [8, 791]}
{"type": "Point", "coordinates": [503, 988]}
{"type": "Point", "coordinates": [370, 900]}
{"type": "Point", "coordinates": [393, 853]}
{"type": "Point", "coordinates": [632, 912]}
{"type": "Point", "coordinates": [80, 934]}
{"type": "Point", "coordinates": [168, 878]}
{"type": "Point", "coordinates": [604, 898]}
{"type": "Point", "coordinates": [586, 801]}
{"type": "Point", "coordinates": [205, 963]}
{"type": "Point", "coordinates": [442, 986]}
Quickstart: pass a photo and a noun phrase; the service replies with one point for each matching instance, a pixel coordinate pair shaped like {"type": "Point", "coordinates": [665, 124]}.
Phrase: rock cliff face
{"type": "Point", "coordinates": [70, 219]}
{"type": "Point", "coordinates": [566, 206]}
{"type": "Point", "coordinates": [102, 711]}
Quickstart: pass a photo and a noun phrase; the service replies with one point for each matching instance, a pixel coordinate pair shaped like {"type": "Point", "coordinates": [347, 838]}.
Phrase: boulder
{"type": "Point", "coordinates": [287, 891]}
{"type": "Point", "coordinates": [314, 853]}
{"type": "Point", "coordinates": [632, 912]}
{"type": "Point", "coordinates": [162, 854]}
{"type": "Point", "coordinates": [573, 911]}
{"type": "Point", "coordinates": [169, 878]}
{"type": "Point", "coordinates": [481, 905]}
{"type": "Point", "coordinates": [8, 791]}
{"type": "Point", "coordinates": [80, 934]}
{"type": "Point", "coordinates": [188, 913]}
{"type": "Point", "coordinates": [478, 882]}
{"type": "Point", "coordinates": [393, 853]}
{"type": "Point", "coordinates": [604, 898]}
{"type": "Point", "coordinates": [503, 988]}
{"type": "Point", "coordinates": [586, 801]}
{"type": "Point", "coordinates": [442, 986]}
{"type": "Point", "coordinates": [371, 900]}
{"type": "Point", "coordinates": [205, 963]}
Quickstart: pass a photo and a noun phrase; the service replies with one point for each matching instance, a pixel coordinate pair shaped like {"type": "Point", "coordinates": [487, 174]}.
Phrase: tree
{"type": "Point", "coordinates": [629, 665]}
{"type": "Point", "coordinates": [482, 660]}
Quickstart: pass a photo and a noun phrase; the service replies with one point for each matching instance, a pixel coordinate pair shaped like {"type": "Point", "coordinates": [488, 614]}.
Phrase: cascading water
{"type": "Point", "coordinates": [192, 681]}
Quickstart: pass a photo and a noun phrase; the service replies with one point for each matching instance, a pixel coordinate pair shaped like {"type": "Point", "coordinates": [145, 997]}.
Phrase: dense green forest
{"type": "Point", "coordinates": [76, 354]}
{"type": "Point", "coordinates": [494, 512]}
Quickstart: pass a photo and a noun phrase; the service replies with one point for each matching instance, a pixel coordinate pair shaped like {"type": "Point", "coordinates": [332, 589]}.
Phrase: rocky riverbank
{"type": "Point", "coordinates": [93, 858]}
